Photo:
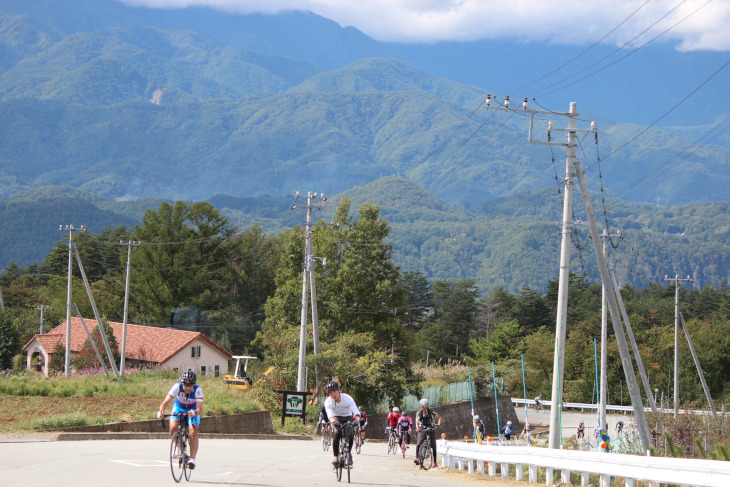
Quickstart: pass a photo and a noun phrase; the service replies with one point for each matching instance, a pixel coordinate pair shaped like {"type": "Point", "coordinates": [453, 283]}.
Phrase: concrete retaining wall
{"type": "Point", "coordinates": [456, 418]}
{"type": "Point", "coordinates": [246, 423]}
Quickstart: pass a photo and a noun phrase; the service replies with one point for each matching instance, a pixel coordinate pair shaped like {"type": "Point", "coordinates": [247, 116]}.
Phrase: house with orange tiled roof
{"type": "Point", "coordinates": [147, 346]}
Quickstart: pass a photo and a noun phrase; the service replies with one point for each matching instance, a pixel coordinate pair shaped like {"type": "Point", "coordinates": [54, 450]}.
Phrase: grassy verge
{"type": "Point", "coordinates": [34, 403]}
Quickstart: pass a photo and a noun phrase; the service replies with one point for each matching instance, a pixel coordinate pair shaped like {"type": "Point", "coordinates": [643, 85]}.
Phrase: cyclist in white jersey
{"type": "Point", "coordinates": [340, 408]}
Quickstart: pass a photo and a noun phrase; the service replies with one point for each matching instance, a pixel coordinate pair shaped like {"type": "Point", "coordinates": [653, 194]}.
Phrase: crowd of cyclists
{"type": "Point", "coordinates": [339, 409]}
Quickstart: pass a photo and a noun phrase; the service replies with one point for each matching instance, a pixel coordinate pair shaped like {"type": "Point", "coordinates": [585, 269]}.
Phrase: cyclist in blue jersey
{"type": "Point", "coordinates": [188, 397]}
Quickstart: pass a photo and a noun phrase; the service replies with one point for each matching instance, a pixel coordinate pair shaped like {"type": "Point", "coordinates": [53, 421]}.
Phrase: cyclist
{"type": "Point", "coordinates": [188, 397]}
{"type": "Point", "coordinates": [619, 427]}
{"type": "Point", "coordinates": [479, 425]}
{"type": "Point", "coordinates": [341, 409]}
{"type": "Point", "coordinates": [426, 417]}
{"type": "Point", "coordinates": [581, 430]}
{"type": "Point", "coordinates": [393, 417]}
{"type": "Point", "coordinates": [363, 422]}
{"type": "Point", "coordinates": [507, 430]}
{"type": "Point", "coordinates": [324, 421]}
{"type": "Point", "coordinates": [403, 427]}
{"type": "Point", "coordinates": [538, 402]}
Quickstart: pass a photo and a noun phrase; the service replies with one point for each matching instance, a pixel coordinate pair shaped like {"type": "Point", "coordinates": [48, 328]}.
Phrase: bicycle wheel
{"type": "Point", "coordinates": [325, 439]}
{"type": "Point", "coordinates": [391, 441]}
{"type": "Point", "coordinates": [424, 456]}
{"type": "Point", "coordinates": [338, 468]}
{"type": "Point", "coordinates": [358, 442]}
{"type": "Point", "coordinates": [177, 456]}
{"type": "Point", "coordinates": [404, 446]}
{"type": "Point", "coordinates": [348, 465]}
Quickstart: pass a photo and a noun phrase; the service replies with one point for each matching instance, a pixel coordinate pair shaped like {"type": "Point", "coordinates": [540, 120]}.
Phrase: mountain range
{"type": "Point", "coordinates": [128, 103]}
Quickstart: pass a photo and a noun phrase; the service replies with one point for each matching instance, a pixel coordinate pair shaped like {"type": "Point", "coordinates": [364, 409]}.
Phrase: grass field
{"type": "Point", "coordinates": [31, 402]}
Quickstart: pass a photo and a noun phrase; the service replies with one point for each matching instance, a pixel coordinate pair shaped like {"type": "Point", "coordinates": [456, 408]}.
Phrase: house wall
{"type": "Point", "coordinates": [209, 358]}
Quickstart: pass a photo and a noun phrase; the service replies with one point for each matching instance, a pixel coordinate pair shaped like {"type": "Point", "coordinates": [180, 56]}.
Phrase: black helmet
{"type": "Point", "coordinates": [188, 377]}
{"type": "Point", "coordinates": [332, 386]}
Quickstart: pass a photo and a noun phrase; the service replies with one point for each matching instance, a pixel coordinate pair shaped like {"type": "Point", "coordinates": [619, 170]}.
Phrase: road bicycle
{"type": "Point", "coordinates": [326, 441]}
{"type": "Point", "coordinates": [404, 443]}
{"type": "Point", "coordinates": [392, 441]}
{"type": "Point", "coordinates": [426, 455]}
{"type": "Point", "coordinates": [179, 447]}
{"type": "Point", "coordinates": [538, 407]}
{"type": "Point", "coordinates": [358, 439]}
{"type": "Point", "coordinates": [344, 459]}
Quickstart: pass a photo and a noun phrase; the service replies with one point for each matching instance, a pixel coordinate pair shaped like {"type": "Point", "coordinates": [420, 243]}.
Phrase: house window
{"type": "Point", "coordinates": [195, 352]}
{"type": "Point", "coordinates": [203, 369]}
{"type": "Point", "coordinates": [217, 370]}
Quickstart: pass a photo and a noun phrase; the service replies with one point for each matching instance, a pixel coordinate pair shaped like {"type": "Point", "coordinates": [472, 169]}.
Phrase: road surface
{"type": "Point", "coordinates": [276, 463]}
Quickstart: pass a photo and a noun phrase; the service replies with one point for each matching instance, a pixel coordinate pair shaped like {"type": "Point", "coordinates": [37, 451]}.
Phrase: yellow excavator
{"type": "Point", "coordinates": [240, 378]}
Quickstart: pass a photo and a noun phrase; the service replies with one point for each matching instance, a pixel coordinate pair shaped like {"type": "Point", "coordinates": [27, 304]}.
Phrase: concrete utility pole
{"type": "Point", "coordinates": [555, 438]}
{"type": "Point", "coordinates": [70, 229]}
{"type": "Point", "coordinates": [604, 344]}
{"type": "Point", "coordinates": [308, 276]}
{"type": "Point", "coordinates": [42, 308]}
{"type": "Point", "coordinates": [129, 245]}
{"type": "Point", "coordinates": [676, 339]}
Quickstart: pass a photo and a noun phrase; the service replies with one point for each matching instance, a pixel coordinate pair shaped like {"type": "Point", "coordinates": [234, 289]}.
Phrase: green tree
{"type": "Point", "coordinates": [58, 359]}
{"type": "Point", "coordinates": [184, 261]}
{"type": "Point", "coordinates": [503, 343]}
{"type": "Point", "coordinates": [419, 298]}
{"type": "Point", "coordinates": [361, 306]}
{"type": "Point", "coordinates": [9, 341]}
{"type": "Point", "coordinates": [456, 305]}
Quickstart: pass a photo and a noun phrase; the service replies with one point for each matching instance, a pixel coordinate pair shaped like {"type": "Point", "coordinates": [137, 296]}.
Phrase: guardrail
{"type": "Point", "coordinates": [655, 470]}
{"type": "Point", "coordinates": [611, 407]}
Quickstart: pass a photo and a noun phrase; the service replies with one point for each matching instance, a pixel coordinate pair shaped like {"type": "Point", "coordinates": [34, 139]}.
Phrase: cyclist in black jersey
{"type": "Point", "coordinates": [427, 417]}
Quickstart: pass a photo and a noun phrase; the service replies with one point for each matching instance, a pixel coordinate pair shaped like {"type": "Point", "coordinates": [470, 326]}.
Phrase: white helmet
{"type": "Point", "coordinates": [509, 422]}
{"type": "Point", "coordinates": [396, 410]}
{"type": "Point", "coordinates": [476, 416]}
{"type": "Point", "coordinates": [423, 402]}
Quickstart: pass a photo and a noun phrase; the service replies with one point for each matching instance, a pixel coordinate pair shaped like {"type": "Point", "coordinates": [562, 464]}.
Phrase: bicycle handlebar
{"type": "Point", "coordinates": [163, 416]}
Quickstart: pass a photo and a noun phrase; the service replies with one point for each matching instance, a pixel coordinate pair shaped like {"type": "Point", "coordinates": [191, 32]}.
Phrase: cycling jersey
{"type": "Point", "coordinates": [343, 409]}
{"type": "Point", "coordinates": [426, 419]}
{"type": "Point", "coordinates": [404, 423]}
{"type": "Point", "coordinates": [393, 418]}
{"type": "Point", "coordinates": [186, 401]}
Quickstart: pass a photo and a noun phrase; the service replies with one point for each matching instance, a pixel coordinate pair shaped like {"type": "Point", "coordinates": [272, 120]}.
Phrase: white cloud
{"type": "Point", "coordinates": [558, 21]}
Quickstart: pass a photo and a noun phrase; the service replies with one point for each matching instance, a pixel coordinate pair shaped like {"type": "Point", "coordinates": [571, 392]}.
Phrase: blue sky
{"type": "Point", "coordinates": [690, 24]}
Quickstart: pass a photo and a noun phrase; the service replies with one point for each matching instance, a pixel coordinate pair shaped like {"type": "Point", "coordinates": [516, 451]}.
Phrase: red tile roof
{"type": "Point", "coordinates": [149, 343]}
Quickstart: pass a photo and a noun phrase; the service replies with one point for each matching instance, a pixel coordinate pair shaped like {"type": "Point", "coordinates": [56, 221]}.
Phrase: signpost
{"type": "Point", "coordinates": [294, 404]}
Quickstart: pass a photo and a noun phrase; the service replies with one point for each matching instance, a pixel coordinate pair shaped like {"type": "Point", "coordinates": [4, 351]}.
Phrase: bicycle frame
{"type": "Point", "coordinates": [178, 447]}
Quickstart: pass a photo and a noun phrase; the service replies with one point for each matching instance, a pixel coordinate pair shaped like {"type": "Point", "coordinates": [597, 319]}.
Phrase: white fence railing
{"type": "Point", "coordinates": [610, 407]}
{"type": "Point", "coordinates": [655, 470]}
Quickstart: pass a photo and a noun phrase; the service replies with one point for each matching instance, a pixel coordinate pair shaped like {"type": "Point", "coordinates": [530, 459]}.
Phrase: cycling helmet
{"type": "Point", "coordinates": [361, 408]}
{"type": "Point", "coordinates": [509, 422]}
{"type": "Point", "coordinates": [396, 410]}
{"type": "Point", "coordinates": [423, 402]}
{"type": "Point", "coordinates": [332, 385]}
{"type": "Point", "coordinates": [188, 377]}
{"type": "Point", "coordinates": [476, 417]}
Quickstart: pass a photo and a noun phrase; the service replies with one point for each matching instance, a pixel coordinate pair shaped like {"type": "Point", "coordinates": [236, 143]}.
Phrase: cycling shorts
{"type": "Point", "coordinates": [194, 421]}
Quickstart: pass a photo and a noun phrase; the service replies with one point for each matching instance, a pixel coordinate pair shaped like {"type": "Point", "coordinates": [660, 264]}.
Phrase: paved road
{"type": "Point", "coordinates": [141, 463]}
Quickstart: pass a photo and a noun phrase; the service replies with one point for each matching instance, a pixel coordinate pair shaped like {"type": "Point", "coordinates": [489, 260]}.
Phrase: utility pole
{"type": "Point", "coordinates": [42, 308]}
{"type": "Point", "coordinates": [126, 305]}
{"type": "Point", "coordinates": [676, 339]}
{"type": "Point", "coordinates": [308, 277]}
{"type": "Point", "coordinates": [70, 229]}
{"type": "Point", "coordinates": [555, 438]}
{"type": "Point", "coordinates": [573, 169]}
{"type": "Point", "coordinates": [604, 343]}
